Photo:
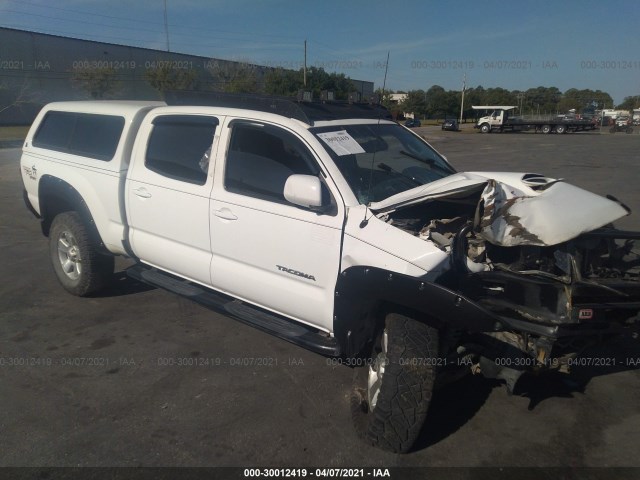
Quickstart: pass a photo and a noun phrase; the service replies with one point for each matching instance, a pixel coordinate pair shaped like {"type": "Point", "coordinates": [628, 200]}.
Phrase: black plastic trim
{"type": "Point", "coordinates": [277, 325]}
{"type": "Point", "coordinates": [307, 112]}
{"type": "Point", "coordinates": [52, 190]}
{"type": "Point", "coordinates": [27, 202]}
{"type": "Point", "coordinates": [361, 290]}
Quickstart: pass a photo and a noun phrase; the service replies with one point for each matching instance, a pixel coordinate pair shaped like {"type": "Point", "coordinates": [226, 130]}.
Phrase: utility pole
{"type": "Point", "coordinates": [520, 99]}
{"type": "Point", "coordinates": [304, 81]}
{"type": "Point", "coordinates": [166, 25]}
{"type": "Point", "coordinates": [464, 87]}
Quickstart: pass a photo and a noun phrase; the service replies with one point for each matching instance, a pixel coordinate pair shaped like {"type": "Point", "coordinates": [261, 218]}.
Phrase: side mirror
{"type": "Point", "coordinates": [303, 190]}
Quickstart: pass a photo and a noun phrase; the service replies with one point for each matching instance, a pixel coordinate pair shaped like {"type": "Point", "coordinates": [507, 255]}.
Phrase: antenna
{"type": "Point", "coordinates": [464, 87]}
{"type": "Point", "coordinates": [365, 221]}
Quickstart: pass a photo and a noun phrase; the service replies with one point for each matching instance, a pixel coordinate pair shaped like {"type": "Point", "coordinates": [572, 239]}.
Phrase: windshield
{"type": "Point", "coordinates": [379, 161]}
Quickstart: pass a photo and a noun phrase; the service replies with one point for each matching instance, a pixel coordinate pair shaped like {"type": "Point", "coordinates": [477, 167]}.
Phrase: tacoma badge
{"type": "Point", "coordinates": [296, 272]}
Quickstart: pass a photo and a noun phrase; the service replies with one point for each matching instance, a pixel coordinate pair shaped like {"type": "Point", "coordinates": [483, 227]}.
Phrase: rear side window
{"type": "Point", "coordinates": [180, 147]}
{"type": "Point", "coordinates": [85, 134]}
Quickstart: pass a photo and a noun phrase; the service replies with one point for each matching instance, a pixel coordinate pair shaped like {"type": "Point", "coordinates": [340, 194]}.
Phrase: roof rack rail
{"type": "Point", "coordinates": [307, 112]}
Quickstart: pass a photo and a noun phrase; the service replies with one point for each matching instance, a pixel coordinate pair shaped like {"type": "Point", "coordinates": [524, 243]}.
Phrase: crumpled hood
{"type": "Point", "coordinates": [517, 208]}
{"type": "Point", "coordinates": [445, 187]}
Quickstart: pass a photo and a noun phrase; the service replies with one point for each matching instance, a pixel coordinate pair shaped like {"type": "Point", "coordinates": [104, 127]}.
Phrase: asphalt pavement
{"type": "Point", "coordinates": [140, 377]}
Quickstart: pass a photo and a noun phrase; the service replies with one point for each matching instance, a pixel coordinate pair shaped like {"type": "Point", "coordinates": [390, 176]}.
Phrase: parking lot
{"type": "Point", "coordinates": [138, 376]}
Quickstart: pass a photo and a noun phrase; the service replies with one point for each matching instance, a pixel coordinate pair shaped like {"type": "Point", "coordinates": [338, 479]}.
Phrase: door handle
{"type": "Point", "coordinates": [225, 213]}
{"type": "Point", "coordinates": [142, 192]}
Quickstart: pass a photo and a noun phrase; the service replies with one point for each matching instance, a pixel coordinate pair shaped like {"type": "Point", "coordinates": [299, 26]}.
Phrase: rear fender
{"type": "Point", "coordinates": [57, 196]}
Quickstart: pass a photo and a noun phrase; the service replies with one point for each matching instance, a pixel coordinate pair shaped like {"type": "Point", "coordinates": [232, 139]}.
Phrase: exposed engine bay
{"type": "Point", "coordinates": [544, 292]}
{"type": "Point", "coordinates": [448, 222]}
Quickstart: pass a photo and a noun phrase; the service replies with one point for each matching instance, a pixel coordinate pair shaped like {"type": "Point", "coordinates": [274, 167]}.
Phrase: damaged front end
{"type": "Point", "coordinates": [544, 259]}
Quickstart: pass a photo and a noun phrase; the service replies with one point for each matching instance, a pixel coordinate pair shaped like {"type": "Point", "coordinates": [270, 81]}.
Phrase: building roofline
{"type": "Point", "coordinates": [163, 52]}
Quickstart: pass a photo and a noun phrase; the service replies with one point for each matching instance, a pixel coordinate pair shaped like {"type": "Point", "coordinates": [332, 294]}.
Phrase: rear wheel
{"type": "Point", "coordinates": [546, 129]}
{"type": "Point", "coordinates": [391, 395]}
{"type": "Point", "coordinates": [80, 268]}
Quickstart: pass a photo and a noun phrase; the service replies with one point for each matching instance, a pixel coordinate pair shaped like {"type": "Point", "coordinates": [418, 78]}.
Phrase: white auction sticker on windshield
{"type": "Point", "coordinates": [341, 142]}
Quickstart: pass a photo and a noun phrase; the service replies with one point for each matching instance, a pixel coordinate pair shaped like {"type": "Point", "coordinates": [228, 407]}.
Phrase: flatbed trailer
{"type": "Point", "coordinates": [500, 119]}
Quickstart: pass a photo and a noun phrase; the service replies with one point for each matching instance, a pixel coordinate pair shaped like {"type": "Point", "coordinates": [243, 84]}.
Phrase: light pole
{"type": "Point", "coordinates": [166, 25]}
{"type": "Point", "coordinates": [464, 87]}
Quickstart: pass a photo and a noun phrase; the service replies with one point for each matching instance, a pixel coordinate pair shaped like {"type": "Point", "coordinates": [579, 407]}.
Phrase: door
{"type": "Point", "coordinates": [168, 189]}
{"type": "Point", "coordinates": [265, 250]}
{"type": "Point", "coordinates": [496, 118]}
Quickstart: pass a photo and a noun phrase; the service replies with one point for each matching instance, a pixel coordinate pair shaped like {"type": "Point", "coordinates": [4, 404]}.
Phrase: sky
{"type": "Point", "coordinates": [510, 44]}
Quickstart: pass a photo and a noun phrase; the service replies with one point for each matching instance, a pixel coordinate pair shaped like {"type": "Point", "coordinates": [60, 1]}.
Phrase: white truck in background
{"type": "Point", "coordinates": [500, 118]}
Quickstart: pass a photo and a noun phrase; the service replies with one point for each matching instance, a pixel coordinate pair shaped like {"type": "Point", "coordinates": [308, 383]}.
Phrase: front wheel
{"type": "Point", "coordinates": [485, 128]}
{"type": "Point", "coordinates": [80, 268]}
{"type": "Point", "coordinates": [391, 395]}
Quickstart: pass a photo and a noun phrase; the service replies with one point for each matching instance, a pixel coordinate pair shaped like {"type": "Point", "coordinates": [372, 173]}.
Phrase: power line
{"type": "Point", "coordinates": [73, 35]}
{"type": "Point", "coordinates": [217, 34]}
{"type": "Point", "coordinates": [21, 2]}
{"type": "Point", "coordinates": [141, 42]}
{"type": "Point", "coordinates": [159, 24]}
{"type": "Point", "coordinates": [74, 21]}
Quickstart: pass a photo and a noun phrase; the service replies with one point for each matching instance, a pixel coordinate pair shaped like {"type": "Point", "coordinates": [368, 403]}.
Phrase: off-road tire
{"type": "Point", "coordinates": [87, 269]}
{"type": "Point", "coordinates": [406, 387]}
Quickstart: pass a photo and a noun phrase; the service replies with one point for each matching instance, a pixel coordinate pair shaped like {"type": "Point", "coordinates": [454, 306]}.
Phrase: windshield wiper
{"type": "Point", "coordinates": [387, 168]}
{"type": "Point", "coordinates": [429, 161]}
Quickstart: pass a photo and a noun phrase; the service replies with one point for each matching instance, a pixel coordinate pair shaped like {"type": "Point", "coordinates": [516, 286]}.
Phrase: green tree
{"type": "Point", "coordinates": [499, 96]}
{"type": "Point", "coordinates": [385, 98]}
{"type": "Point", "coordinates": [584, 101]}
{"type": "Point", "coordinates": [99, 83]}
{"type": "Point", "coordinates": [435, 100]}
{"type": "Point", "coordinates": [279, 81]}
{"type": "Point", "coordinates": [451, 104]}
{"type": "Point", "coordinates": [414, 103]}
{"type": "Point", "coordinates": [601, 99]}
{"type": "Point", "coordinates": [571, 99]}
{"type": "Point", "coordinates": [473, 96]}
{"type": "Point", "coordinates": [287, 82]}
{"type": "Point", "coordinates": [234, 77]}
{"type": "Point", "coordinates": [164, 79]}
{"type": "Point", "coordinates": [630, 103]}
{"type": "Point", "coordinates": [543, 100]}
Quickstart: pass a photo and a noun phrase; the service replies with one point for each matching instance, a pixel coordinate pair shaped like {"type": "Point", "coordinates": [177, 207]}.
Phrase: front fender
{"type": "Point", "coordinates": [364, 293]}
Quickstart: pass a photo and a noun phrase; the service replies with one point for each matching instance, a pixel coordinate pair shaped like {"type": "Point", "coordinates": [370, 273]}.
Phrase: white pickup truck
{"type": "Point", "coordinates": [334, 228]}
